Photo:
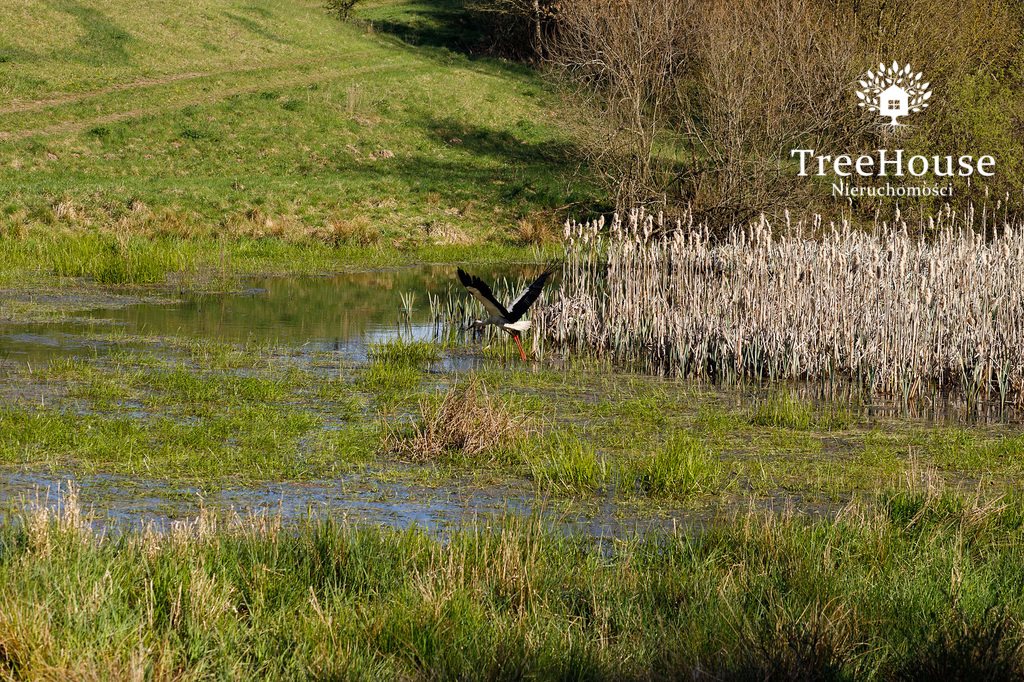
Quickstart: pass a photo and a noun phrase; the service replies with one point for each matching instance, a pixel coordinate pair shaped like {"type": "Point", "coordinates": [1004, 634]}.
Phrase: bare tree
{"type": "Point", "coordinates": [771, 75]}
{"type": "Point", "coordinates": [629, 53]}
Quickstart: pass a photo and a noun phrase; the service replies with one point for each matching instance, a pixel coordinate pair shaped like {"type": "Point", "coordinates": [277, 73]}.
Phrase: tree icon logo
{"type": "Point", "coordinates": [893, 91]}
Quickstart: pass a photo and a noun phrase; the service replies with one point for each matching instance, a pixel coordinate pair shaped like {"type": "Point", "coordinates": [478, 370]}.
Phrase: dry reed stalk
{"type": "Point", "coordinates": [467, 421]}
{"type": "Point", "coordinates": [896, 310]}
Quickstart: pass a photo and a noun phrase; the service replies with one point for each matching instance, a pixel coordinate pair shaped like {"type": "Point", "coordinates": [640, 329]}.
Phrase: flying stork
{"type": "Point", "coordinates": [511, 319]}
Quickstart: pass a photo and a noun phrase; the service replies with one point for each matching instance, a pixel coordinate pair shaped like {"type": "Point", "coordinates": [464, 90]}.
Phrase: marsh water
{"type": "Point", "coordinates": [340, 315]}
{"type": "Point", "coordinates": [335, 316]}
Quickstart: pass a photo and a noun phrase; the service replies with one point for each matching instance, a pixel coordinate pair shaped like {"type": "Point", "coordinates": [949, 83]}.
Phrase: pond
{"type": "Point", "coordinates": [340, 313]}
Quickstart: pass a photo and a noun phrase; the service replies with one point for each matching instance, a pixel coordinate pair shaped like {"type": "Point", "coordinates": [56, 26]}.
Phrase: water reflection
{"type": "Point", "coordinates": [342, 312]}
{"type": "Point", "coordinates": [118, 503]}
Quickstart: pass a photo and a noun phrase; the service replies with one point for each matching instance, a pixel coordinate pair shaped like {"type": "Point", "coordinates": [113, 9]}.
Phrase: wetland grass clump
{"type": "Point", "coordinates": [396, 367]}
{"type": "Point", "coordinates": [116, 259]}
{"type": "Point", "coordinates": [899, 310]}
{"type": "Point", "coordinates": [784, 410]}
{"type": "Point", "coordinates": [402, 352]}
{"type": "Point", "coordinates": [467, 422]}
{"type": "Point", "coordinates": [685, 466]}
{"type": "Point", "coordinates": [567, 464]}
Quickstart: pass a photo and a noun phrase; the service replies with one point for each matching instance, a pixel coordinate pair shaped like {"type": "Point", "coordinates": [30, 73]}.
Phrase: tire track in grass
{"type": "Point", "coordinates": [56, 100]}
{"type": "Point", "coordinates": [289, 78]}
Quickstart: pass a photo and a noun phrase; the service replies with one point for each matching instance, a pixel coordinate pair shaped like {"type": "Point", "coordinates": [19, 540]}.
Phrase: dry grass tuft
{"type": "Point", "coordinates": [468, 421]}
{"type": "Point", "coordinates": [447, 234]}
{"type": "Point", "coordinates": [66, 211]}
{"type": "Point", "coordinates": [535, 228]}
{"type": "Point", "coordinates": [357, 230]}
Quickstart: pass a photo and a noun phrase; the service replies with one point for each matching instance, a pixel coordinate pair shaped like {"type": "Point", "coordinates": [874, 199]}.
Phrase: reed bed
{"type": "Point", "coordinates": [901, 309]}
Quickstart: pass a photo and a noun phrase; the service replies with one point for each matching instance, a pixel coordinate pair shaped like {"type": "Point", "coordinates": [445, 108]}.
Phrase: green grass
{"type": "Point", "coordinates": [683, 467]}
{"type": "Point", "coordinates": [916, 587]}
{"type": "Point", "coordinates": [564, 463]}
{"type": "Point", "coordinates": [784, 410]}
{"type": "Point", "coordinates": [401, 352]}
{"type": "Point", "coordinates": [40, 256]}
{"type": "Point", "coordinates": [261, 122]}
{"type": "Point", "coordinates": [390, 382]}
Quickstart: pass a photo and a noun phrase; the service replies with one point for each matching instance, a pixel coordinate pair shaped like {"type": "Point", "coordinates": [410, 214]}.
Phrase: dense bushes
{"type": "Point", "coordinates": [704, 107]}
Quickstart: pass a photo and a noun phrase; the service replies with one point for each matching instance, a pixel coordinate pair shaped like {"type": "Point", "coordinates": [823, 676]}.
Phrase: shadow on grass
{"type": "Point", "coordinates": [520, 169]}
{"type": "Point", "coordinates": [103, 41]}
{"type": "Point", "coordinates": [430, 23]}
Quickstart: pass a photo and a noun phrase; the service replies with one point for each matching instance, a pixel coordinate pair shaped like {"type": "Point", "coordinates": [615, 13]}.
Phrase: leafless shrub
{"type": "Point", "coordinates": [467, 421]}
{"type": "Point", "coordinates": [701, 101]}
{"type": "Point", "coordinates": [630, 54]}
{"type": "Point", "coordinates": [770, 75]}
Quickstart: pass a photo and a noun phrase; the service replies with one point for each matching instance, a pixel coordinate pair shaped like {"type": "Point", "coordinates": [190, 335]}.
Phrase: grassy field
{"type": "Point", "coordinates": [254, 120]}
{"type": "Point", "coordinates": [151, 150]}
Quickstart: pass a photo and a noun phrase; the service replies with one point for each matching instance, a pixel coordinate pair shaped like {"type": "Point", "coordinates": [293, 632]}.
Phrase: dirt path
{"type": "Point", "coordinates": [142, 83]}
{"type": "Point", "coordinates": [319, 72]}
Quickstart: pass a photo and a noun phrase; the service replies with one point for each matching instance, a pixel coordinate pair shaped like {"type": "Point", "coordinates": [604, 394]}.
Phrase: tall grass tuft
{"type": "Point", "coordinates": [683, 467]}
{"type": "Point", "coordinates": [117, 259]}
{"type": "Point", "coordinates": [402, 352]}
{"type": "Point", "coordinates": [567, 464]}
{"type": "Point", "coordinates": [900, 310]}
{"type": "Point", "coordinates": [468, 422]}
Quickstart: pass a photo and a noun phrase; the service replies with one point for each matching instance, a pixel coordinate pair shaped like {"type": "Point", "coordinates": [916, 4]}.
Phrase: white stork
{"type": "Point", "coordinates": [510, 319]}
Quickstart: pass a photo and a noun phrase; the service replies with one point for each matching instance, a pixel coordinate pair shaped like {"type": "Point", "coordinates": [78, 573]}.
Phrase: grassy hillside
{"type": "Point", "coordinates": [257, 118]}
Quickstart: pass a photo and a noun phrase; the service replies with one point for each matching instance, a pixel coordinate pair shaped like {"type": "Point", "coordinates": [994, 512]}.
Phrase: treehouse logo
{"type": "Point", "coordinates": [893, 91]}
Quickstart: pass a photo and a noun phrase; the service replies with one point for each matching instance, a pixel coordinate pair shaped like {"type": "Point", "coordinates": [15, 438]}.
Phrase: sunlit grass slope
{"type": "Point", "coordinates": [257, 118]}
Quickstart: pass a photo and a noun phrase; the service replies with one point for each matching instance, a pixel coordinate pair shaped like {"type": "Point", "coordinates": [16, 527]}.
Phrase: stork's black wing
{"type": "Point", "coordinates": [527, 298]}
{"type": "Point", "coordinates": [482, 293]}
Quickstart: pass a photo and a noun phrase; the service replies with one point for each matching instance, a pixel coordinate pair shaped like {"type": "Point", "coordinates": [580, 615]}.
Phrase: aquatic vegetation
{"type": "Point", "coordinates": [900, 310]}
{"type": "Point", "coordinates": [389, 381]}
{"type": "Point", "coordinates": [468, 421]}
{"type": "Point", "coordinates": [567, 464]}
{"type": "Point", "coordinates": [782, 409]}
{"type": "Point", "coordinates": [684, 466]}
{"type": "Point", "coordinates": [403, 352]}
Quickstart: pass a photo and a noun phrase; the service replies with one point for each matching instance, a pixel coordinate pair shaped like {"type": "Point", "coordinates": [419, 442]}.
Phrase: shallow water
{"type": "Point", "coordinates": [118, 503]}
{"type": "Point", "coordinates": [341, 313]}
{"type": "Point", "coordinates": [113, 502]}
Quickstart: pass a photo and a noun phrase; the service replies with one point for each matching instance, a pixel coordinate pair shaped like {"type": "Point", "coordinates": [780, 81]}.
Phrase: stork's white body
{"type": "Point", "coordinates": [497, 321]}
{"type": "Point", "coordinates": [510, 320]}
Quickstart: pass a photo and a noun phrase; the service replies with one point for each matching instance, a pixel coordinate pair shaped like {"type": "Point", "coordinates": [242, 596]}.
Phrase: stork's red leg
{"type": "Point", "coordinates": [521, 351]}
